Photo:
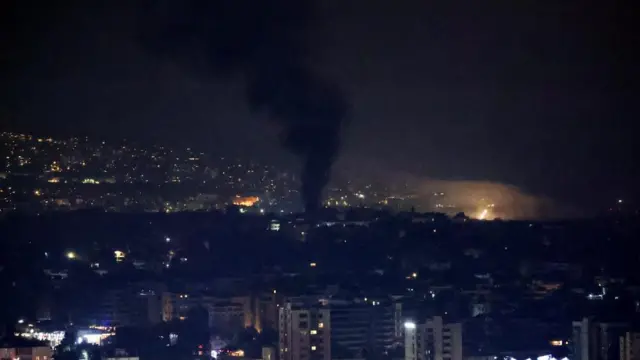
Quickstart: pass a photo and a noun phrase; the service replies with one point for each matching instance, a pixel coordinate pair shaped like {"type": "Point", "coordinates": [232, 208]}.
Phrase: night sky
{"type": "Point", "coordinates": [535, 94]}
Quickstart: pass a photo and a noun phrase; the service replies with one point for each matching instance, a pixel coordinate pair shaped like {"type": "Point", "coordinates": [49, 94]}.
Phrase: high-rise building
{"type": "Point", "coordinates": [594, 340]}
{"type": "Point", "coordinates": [305, 333]}
{"type": "Point", "coordinates": [337, 329]}
{"type": "Point", "coordinates": [362, 329]}
{"type": "Point", "coordinates": [433, 340]}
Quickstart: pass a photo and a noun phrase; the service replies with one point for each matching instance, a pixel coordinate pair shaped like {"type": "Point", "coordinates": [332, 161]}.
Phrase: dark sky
{"type": "Point", "coordinates": [538, 94]}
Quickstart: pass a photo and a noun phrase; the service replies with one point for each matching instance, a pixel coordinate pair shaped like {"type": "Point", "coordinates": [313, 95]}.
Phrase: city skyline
{"type": "Point", "coordinates": [521, 95]}
{"type": "Point", "coordinates": [319, 179]}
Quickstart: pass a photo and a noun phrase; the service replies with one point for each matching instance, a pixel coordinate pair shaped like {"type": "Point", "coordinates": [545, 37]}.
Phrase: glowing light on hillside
{"type": "Point", "coordinates": [245, 200]}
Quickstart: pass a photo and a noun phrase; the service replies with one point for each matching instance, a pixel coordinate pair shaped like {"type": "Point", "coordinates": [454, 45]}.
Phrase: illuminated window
{"type": "Point", "coordinates": [119, 255]}
{"type": "Point", "coordinates": [321, 325]}
{"type": "Point", "coordinates": [313, 332]}
{"type": "Point", "coordinates": [313, 348]}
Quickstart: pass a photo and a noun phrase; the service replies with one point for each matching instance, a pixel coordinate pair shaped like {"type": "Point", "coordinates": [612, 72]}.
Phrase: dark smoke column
{"type": "Point", "coordinates": [265, 42]}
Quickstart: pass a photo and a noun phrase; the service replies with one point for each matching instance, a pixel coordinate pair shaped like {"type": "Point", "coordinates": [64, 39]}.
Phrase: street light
{"type": "Point", "coordinates": [409, 325]}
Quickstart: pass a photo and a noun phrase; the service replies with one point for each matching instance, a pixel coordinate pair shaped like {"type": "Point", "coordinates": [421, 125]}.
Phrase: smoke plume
{"type": "Point", "coordinates": [266, 44]}
{"type": "Point", "coordinates": [504, 201]}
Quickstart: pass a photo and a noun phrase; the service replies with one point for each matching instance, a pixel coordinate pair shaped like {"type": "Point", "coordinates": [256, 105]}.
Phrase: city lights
{"type": "Point", "coordinates": [205, 265]}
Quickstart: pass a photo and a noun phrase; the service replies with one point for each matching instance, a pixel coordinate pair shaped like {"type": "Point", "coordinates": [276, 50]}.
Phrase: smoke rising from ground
{"type": "Point", "coordinates": [469, 196]}
{"type": "Point", "coordinates": [266, 44]}
{"type": "Point", "coordinates": [472, 197]}
{"type": "Point", "coordinates": [503, 201]}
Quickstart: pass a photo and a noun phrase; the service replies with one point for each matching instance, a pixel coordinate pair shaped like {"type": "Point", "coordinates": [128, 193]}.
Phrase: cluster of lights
{"type": "Point", "coordinates": [235, 353]}
{"type": "Point", "coordinates": [93, 339]}
{"type": "Point", "coordinates": [54, 338]}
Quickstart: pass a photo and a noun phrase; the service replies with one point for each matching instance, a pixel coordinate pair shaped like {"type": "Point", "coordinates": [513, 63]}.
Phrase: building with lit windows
{"type": "Point", "coordinates": [305, 333]}
{"type": "Point", "coordinates": [433, 340]}
{"type": "Point", "coordinates": [337, 329]}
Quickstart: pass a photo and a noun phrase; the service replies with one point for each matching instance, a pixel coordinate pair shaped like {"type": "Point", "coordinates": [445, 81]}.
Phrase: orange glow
{"type": "Point", "coordinates": [245, 200]}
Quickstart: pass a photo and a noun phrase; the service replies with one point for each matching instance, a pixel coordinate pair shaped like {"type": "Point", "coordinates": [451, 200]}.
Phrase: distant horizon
{"type": "Point", "coordinates": [512, 203]}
